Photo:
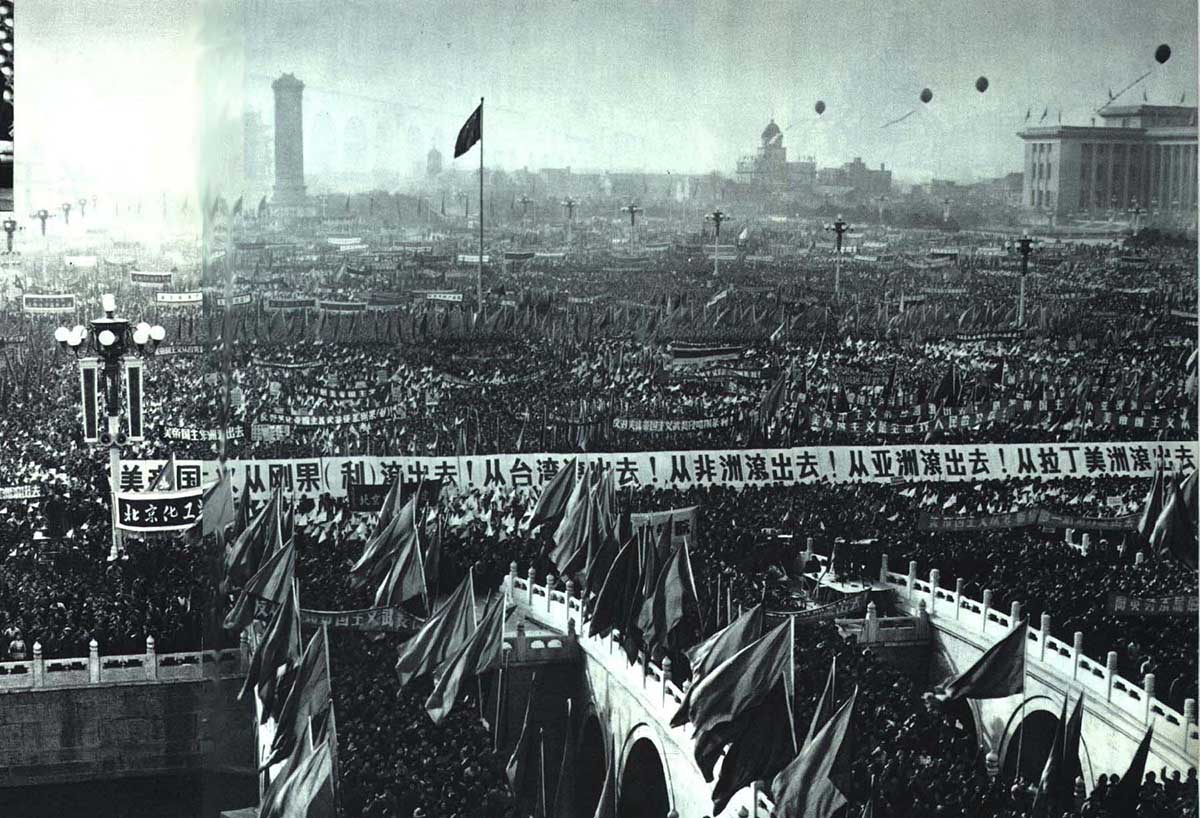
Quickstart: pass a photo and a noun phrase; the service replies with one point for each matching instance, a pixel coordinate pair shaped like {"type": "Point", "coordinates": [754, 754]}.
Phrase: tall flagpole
{"type": "Point", "coordinates": [479, 275]}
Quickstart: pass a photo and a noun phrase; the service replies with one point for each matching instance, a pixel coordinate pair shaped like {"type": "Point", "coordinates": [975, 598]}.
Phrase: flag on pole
{"type": "Point", "coordinates": [478, 654]}
{"type": "Point", "coordinates": [998, 673]}
{"type": "Point", "coordinates": [470, 133]}
{"type": "Point", "coordinates": [807, 786]}
{"type": "Point", "coordinates": [442, 634]}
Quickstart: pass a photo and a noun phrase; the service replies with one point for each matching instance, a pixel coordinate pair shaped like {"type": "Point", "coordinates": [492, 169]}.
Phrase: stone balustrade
{"type": "Point", "coordinates": [39, 673]}
{"type": "Point", "coordinates": [978, 621]}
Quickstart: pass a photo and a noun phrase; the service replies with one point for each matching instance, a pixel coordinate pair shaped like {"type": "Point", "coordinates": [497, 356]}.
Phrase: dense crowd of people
{"type": "Point", "coordinates": [549, 364]}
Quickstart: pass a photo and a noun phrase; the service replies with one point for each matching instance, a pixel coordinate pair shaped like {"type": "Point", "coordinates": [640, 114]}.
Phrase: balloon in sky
{"type": "Point", "coordinates": [981, 84]}
{"type": "Point", "coordinates": [820, 107]}
{"type": "Point", "coordinates": [1162, 53]}
{"type": "Point", "coordinates": [926, 95]}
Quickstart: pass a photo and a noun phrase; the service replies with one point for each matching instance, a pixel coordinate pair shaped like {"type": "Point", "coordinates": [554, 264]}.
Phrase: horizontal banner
{"type": "Point", "coordinates": [36, 303]}
{"type": "Point", "coordinates": [180, 349]}
{"type": "Point", "coordinates": [144, 278]}
{"type": "Point", "coordinates": [853, 605]}
{"type": "Point", "coordinates": [28, 492]}
{"type": "Point", "coordinates": [359, 393]}
{"type": "Point", "coordinates": [341, 306]}
{"type": "Point", "coordinates": [1177, 605]}
{"type": "Point", "coordinates": [189, 433]}
{"type": "Point", "coordinates": [364, 619]}
{"type": "Point", "coordinates": [195, 299]}
{"type": "Point", "coordinates": [684, 523]}
{"type": "Point", "coordinates": [285, 364]}
{"type": "Point", "coordinates": [656, 425]}
{"type": "Point", "coordinates": [148, 512]}
{"type": "Point", "coordinates": [683, 469]}
{"type": "Point", "coordinates": [689, 354]}
{"type": "Point", "coordinates": [1026, 517]}
{"type": "Point", "coordinates": [455, 297]}
{"type": "Point", "coordinates": [240, 300]}
{"type": "Point", "coordinates": [290, 303]}
{"type": "Point", "coordinates": [312, 421]}
{"type": "Point", "coordinates": [989, 335]}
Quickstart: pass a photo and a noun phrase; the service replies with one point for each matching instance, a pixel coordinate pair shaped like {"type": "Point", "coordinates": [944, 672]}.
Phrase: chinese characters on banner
{"type": "Point", "coordinates": [684, 523]}
{"type": "Point", "coordinates": [158, 511]}
{"type": "Point", "coordinates": [1176, 605]}
{"type": "Point", "coordinates": [683, 469]}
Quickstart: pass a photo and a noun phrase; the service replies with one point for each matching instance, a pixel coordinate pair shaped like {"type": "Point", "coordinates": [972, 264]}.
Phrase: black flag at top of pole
{"type": "Point", "coordinates": [470, 133]}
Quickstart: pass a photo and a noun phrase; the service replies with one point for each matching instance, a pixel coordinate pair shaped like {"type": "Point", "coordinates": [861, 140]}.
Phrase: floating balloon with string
{"type": "Point", "coordinates": [819, 107]}
{"type": "Point", "coordinates": [1162, 53]}
{"type": "Point", "coordinates": [981, 84]}
{"type": "Point", "coordinates": [926, 95]}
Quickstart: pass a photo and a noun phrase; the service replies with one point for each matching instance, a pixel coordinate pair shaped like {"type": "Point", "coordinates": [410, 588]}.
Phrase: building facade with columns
{"type": "Point", "coordinates": [1142, 157]}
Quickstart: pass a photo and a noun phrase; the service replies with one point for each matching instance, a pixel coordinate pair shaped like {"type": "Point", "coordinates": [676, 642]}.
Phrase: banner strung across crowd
{"type": "Point", "coordinates": [191, 433]}
{"type": "Point", "coordinates": [666, 425]}
{"type": "Point", "coordinates": [735, 468]}
{"type": "Point", "coordinates": [1176, 605]}
{"type": "Point", "coordinates": [1026, 517]}
{"type": "Point", "coordinates": [148, 512]}
{"type": "Point", "coordinates": [19, 493]}
{"type": "Point", "coordinates": [49, 303]}
{"type": "Point", "coordinates": [684, 523]}
{"type": "Point", "coordinates": [311, 421]}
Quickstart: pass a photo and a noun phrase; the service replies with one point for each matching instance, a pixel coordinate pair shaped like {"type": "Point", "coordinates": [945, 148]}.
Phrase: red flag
{"type": "Point", "coordinates": [478, 655]}
{"type": "Point", "coordinates": [998, 673]}
{"type": "Point", "coordinates": [447, 630]}
{"type": "Point", "coordinates": [470, 133]}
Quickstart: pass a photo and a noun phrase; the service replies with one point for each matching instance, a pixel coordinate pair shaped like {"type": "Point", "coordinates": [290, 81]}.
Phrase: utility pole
{"type": "Point", "coordinates": [569, 204]}
{"type": "Point", "coordinates": [1025, 247]}
{"type": "Point", "coordinates": [633, 210]}
{"type": "Point", "coordinates": [839, 228]}
{"type": "Point", "coordinates": [716, 217]}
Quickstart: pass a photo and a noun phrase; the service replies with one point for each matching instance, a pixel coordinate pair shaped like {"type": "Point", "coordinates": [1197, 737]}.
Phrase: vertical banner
{"type": "Point", "coordinates": [89, 374]}
{"type": "Point", "coordinates": [133, 397]}
{"type": "Point", "coordinates": [7, 69]}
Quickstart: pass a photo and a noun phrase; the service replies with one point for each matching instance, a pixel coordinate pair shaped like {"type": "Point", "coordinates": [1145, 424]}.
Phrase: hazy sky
{"type": "Point", "coordinates": [679, 86]}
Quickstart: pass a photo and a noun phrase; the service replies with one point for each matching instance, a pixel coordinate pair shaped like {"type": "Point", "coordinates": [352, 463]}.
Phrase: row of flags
{"type": "Point", "coordinates": [1167, 523]}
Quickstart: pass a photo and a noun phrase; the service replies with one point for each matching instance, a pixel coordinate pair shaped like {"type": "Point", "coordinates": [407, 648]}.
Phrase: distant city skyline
{"type": "Point", "coordinates": [668, 87]}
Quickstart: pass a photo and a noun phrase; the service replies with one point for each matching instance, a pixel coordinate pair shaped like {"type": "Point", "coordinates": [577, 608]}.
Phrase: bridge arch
{"type": "Point", "coordinates": [1031, 732]}
{"type": "Point", "coordinates": [591, 760]}
{"type": "Point", "coordinates": [644, 789]}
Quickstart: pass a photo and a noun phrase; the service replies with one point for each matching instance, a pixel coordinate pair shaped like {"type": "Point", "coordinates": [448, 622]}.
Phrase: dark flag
{"type": "Point", "coordinates": [279, 647]}
{"type": "Point", "coordinates": [618, 595]}
{"type": "Point", "coordinates": [674, 600]}
{"type": "Point", "coordinates": [606, 806]}
{"type": "Point", "coordinates": [302, 786]}
{"type": "Point", "coordinates": [442, 634]}
{"type": "Point", "coordinates": [565, 787]}
{"type": "Point", "coordinates": [1125, 796]}
{"type": "Point", "coordinates": [806, 786]}
{"type": "Point", "coordinates": [272, 582]}
{"type": "Point", "coordinates": [309, 696]}
{"type": "Point", "coordinates": [1056, 789]}
{"type": "Point", "coordinates": [217, 507]}
{"type": "Point", "coordinates": [706, 656]}
{"type": "Point", "coordinates": [1173, 535]}
{"type": "Point", "coordinates": [479, 654]}
{"type": "Point", "coordinates": [552, 502]}
{"type": "Point", "coordinates": [524, 765]}
{"type": "Point", "coordinates": [998, 673]}
{"type": "Point", "coordinates": [470, 133]}
{"type": "Point", "coordinates": [739, 683]}
{"type": "Point", "coordinates": [259, 539]}
{"type": "Point", "coordinates": [764, 747]}
{"type": "Point", "coordinates": [1151, 507]}
{"type": "Point", "coordinates": [825, 706]}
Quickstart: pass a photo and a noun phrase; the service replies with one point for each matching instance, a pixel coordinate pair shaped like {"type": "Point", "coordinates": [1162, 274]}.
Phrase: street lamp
{"type": "Point", "coordinates": [716, 217]}
{"type": "Point", "coordinates": [1136, 216]}
{"type": "Point", "coordinates": [839, 228]}
{"type": "Point", "coordinates": [1024, 247]}
{"type": "Point", "coordinates": [83, 203]}
{"type": "Point", "coordinates": [66, 210]}
{"type": "Point", "coordinates": [10, 228]}
{"type": "Point", "coordinates": [633, 210]}
{"type": "Point", "coordinates": [42, 216]}
{"type": "Point", "coordinates": [109, 348]}
{"type": "Point", "coordinates": [569, 204]}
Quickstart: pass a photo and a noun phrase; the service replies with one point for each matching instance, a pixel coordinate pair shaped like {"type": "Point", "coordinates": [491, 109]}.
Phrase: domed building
{"type": "Point", "coordinates": [768, 168]}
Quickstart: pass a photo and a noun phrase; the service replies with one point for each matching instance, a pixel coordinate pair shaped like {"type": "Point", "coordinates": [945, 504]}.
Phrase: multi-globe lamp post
{"type": "Point", "coordinates": [717, 217]}
{"type": "Point", "coordinates": [10, 230]}
{"type": "Point", "coordinates": [107, 349]}
{"type": "Point", "coordinates": [838, 228]}
{"type": "Point", "coordinates": [1024, 247]}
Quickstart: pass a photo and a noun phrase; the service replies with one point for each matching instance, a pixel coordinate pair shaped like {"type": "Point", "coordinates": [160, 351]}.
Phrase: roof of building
{"type": "Point", "coordinates": [771, 131]}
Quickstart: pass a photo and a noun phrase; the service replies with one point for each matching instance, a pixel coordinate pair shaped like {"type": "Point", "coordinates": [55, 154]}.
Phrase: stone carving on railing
{"type": "Point", "coordinates": [38, 673]}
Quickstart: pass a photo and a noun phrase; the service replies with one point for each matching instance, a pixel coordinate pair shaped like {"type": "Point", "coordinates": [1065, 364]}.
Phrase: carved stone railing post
{"type": "Point", "coordinates": [1111, 668]}
{"type": "Point", "coordinates": [1045, 636]}
{"type": "Point", "coordinates": [1148, 686]}
{"type": "Point", "coordinates": [1189, 712]}
{"type": "Point", "coordinates": [958, 593]}
{"type": "Point", "coordinates": [883, 568]}
{"type": "Point", "coordinates": [532, 580]}
{"type": "Point", "coordinates": [666, 674]}
{"type": "Point", "coordinates": [1085, 543]}
{"type": "Point", "coordinates": [987, 607]}
{"type": "Point", "coordinates": [1014, 614]}
{"type": "Point", "coordinates": [549, 590]}
{"type": "Point", "coordinates": [912, 578]}
{"type": "Point", "coordinates": [567, 602]}
{"type": "Point", "coordinates": [39, 665]}
{"type": "Point", "coordinates": [935, 578]}
{"type": "Point", "coordinates": [512, 582]}
{"type": "Point", "coordinates": [871, 625]}
{"type": "Point", "coordinates": [151, 659]}
{"type": "Point", "coordinates": [93, 662]}
{"type": "Point", "coordinates": [1077, 648]}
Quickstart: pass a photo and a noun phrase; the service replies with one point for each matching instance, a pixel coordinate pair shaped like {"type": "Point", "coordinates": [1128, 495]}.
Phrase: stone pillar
{"type": "Point", "coordinates": [883, 568]}
{"type": "Point", "coordinates": [522, 646]}
{"type": "Point", "coordinates": [151, 659]}
{"type": "Point", "coordinates": [549, 590]}
{"type": "Point", "coordinates": [666, 674]}
{"type": "Point", "coordinates": [1045, 636]}
{"type": "Point", "coordinates": [1148, 686]}
{"type": "Point", "coordinates": [512, 579]}
{"type": "Point", "coordinates": [1014, 613]}
{"type": "Point", "coordinates": [289, 141]}
{"type": "Point", "coordinates": [532, 581]}
{"type": "Point", "coordinates": [1111, 668]}
{"type": "Point", "coordinates": [912, 578]}
{"type": "Point", "coordinates": [1077, 647]}
{"type": "Point", "coordinates": [1085, 543]}
{"type": "Point", "coordinates": [935, 578]}
{"type": "Point", "coordinates": [39, 666]}
{"type": "Point", "coordinates": [567, 602]}
{"type": "Point", "coordinates": [958, 592]}
{"type": "Point", "coordinates": [987, 606]}
{"type": "Point", "coordinates": [94, 662]}
{"type": "Point", "coordinates": [871, 624]}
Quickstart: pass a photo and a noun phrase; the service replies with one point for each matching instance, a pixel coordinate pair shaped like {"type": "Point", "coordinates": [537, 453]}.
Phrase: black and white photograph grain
{"type": "Point", "coordinates": [599, 409]}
